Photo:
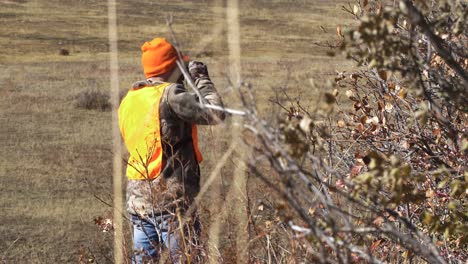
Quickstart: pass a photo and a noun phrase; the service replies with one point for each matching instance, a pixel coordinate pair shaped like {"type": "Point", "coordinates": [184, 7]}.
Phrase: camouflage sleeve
{"type": "Point", "coordinates": [185, 104]}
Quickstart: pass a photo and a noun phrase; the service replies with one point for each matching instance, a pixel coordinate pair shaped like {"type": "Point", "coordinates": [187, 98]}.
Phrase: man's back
{"type": "Point", "coordinates": [158, 120]}
{"type": "Point", "coordinates": [179, 112]}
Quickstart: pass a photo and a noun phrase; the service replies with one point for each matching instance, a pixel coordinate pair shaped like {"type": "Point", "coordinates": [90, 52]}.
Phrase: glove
{"type": "Point", "coordinates": [197, 70]}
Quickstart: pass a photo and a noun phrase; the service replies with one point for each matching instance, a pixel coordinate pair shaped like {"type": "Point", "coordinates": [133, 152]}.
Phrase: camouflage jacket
{"type": "Point", "coordinates": [179, 180]}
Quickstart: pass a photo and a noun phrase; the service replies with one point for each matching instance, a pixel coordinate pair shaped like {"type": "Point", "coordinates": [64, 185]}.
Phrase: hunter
{"type": "Point", "coordinates": [158, 121]}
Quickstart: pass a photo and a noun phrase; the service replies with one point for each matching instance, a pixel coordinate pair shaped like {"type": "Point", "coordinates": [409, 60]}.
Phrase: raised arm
{"type": "Point", "coordinates": [186, 104]}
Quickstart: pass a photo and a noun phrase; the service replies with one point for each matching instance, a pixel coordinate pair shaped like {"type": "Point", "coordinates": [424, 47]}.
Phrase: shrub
{"type": "Point", "coordinates": [93, 100]}
{"type": "Point", "coordinates": [383, 178]}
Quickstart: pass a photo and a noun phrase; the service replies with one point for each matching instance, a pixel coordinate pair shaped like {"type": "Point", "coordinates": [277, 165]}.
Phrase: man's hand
{"type": "Point", "coordinates": [197, 70]}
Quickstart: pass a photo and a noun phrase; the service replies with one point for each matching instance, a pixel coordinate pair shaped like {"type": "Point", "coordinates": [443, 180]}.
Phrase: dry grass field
{"type": "Point", "coordinates": [56, 157]}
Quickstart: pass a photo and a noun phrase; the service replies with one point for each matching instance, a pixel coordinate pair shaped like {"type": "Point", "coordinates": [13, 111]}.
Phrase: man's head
{"type": "Point", "coordinates": [159, 59]}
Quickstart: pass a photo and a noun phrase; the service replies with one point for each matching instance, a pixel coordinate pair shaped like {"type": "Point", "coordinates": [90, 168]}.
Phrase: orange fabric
{"type": "Point", "coordinates": [198, 154]}
{"type": "Point", "coordinates": [139, 125]}
{"type": "Point", "coordinates": [158, 57]}
{"type": "Point", "coordinates": [140, 128]}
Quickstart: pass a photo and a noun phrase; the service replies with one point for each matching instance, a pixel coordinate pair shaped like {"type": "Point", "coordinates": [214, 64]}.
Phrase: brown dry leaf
{"type": "Point", "coordinates": [98, 220]}
{"type": "Point", "coordinates": [357, 106]}
{"type": "Point", "coordinates": [360, 127]}
{"type": "Point", "coordinates": [375, 129]}
{"type": "Point", "coordinates": [306, 124]}
{"type": "Point", "coordinates": [405, 144]}
{"type": "Point", "coordinates": [356, 169]}
{"type": "Point", "coordinates": [374, 120]}
{"type": "Point", "coordinates": [338, 32]}
{"type": "Point", "coordinates": [406, 254]}
{"type": "Point", "coordinates": [388, 107]}
{"type": "Point", "coordinates": [355, 258]}
{"type": "Point", "coordinates": [104, 224]}
{"type": "Point", "coordinates": [402, 93]}
{"type": "Point", "coordinates": [379, 9]}
{"type": "Point", "coordinates": [355, 76]}
{"type": "Point", "coordinates": [437, 61]}
{"type": "Point", "coordinates": [341, 123]}
{"type": "Point", "coordinates": [378, 221]}
{"type": "Point", "coordinates": [383, 75]}
{"type": "Point", "coordinates": [364, 3]}
{"type": "Point", "coordinates": [311, 211]}
{"type": "Point", "coordinates": [430, 193]}
{"type": "Point", "coordinates": [335, 92]}
{"type": "Point", "coordinates": [329, 98]}
{"type": "Point", "coordinates": [458, 241]}
{"type": "Point", "coordinates": [260, 207]}
{"type": "Point", "coordinates": [381, 105]}
{"type": "Point", "coordinates": [340, 183]}
{"type": "Point", "coordinates": [355, 9]}
{"type": "Point", "coordinates": [375, 245]}
{"type": "Point", "coordinates": [358, 222]}
{"type": "Point", "coordinates": [363, 119]}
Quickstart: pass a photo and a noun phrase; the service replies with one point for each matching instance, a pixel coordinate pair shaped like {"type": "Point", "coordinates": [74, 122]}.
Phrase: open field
{"type": "Point", "coordinates": [56, 158]}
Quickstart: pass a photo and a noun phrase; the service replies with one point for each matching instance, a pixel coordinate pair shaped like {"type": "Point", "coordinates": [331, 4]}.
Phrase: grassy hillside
{"type": "Point", "coordinates": [56, 158]}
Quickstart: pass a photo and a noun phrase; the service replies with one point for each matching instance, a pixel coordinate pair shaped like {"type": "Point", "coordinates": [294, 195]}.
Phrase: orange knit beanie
{"type": "Point", "coordinates": [158, 57]}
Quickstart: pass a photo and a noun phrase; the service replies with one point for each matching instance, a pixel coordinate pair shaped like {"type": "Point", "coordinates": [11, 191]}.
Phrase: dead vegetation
{"type": "Point", "coordinates": [369, 167]}
{"type": "Point", "coordinates": [93, 100]}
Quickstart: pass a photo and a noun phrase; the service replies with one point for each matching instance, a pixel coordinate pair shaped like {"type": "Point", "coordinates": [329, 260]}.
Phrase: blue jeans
{"type": "Point", "coordinates": [151, 235]}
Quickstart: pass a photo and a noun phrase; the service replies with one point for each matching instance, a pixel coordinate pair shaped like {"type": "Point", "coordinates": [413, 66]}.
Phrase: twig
{"type": "Point", "coordinates": [418, 19]}
{"type": "Point", "coordinates": [188, 78]}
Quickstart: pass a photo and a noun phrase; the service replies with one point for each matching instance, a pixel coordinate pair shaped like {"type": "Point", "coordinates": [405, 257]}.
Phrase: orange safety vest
{"type": "Point", "coordinates": [140, 128]}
